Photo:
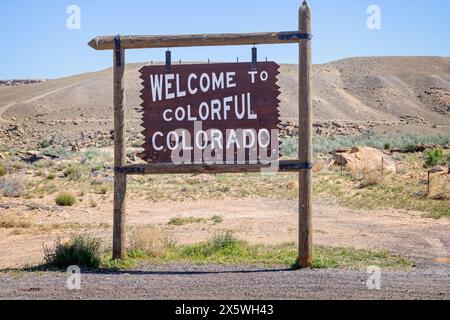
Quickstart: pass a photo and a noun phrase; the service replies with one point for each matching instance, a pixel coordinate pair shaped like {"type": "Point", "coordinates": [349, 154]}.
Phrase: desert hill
{"type": "Point", "coordinates": [383, 94]}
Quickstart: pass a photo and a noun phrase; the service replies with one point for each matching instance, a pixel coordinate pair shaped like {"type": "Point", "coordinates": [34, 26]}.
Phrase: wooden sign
{"type": "Point", "coordinates": [211, 113]}
{"type": "Point", "coordinates": [220, 103]}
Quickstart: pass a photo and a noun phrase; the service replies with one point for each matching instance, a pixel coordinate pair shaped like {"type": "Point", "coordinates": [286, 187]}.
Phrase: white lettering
{"type": "Point", "coordinates": [190, 88]}
{"type": "Point", "coordinates": [168, 78]}
{"type": "Point", "coordinates": [154, 140]}
{"type": "Point", "coordinates": [165, 117]}
{"type": "Point", "coordinates": [156, 85]}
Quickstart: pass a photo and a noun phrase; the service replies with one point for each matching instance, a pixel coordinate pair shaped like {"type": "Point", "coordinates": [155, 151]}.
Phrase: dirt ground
{"type": "Point", "coordinates": [407, 233]}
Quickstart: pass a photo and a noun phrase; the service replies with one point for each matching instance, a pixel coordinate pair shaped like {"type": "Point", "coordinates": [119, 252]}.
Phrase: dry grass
{"type": "Point", "coordinates": [11, 186]}
{"type": "Point", "coordinates": [439, 187]}
{"type": "Point", "coordinates": [8, 222]}
{"type": "Point", "coordinates": [148, 241]}
{"type": "Point", "coordinates": [402, 191]}
{"type": "Point", "coordinates": [180, 221]}
{"type": "Point", "coordinates": [371, 176]}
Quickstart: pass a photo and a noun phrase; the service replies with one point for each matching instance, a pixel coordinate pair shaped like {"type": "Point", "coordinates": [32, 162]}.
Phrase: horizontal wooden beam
{"type": "Point", "coordinates": [169, 168]}
{"type": "Point", "coordinates": [197, 40]}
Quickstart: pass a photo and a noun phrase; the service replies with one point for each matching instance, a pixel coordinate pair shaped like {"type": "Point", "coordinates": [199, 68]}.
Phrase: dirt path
{"type": "Point", "coordinates": [4, 108]}
{"type": "Point", "coordinates": [402, 232]}
{"type": "Point", "coordinates": [218, 282]}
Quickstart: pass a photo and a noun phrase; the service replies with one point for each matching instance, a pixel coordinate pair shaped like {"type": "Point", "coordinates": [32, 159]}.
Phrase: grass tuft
{"type": "Point", "coordinates": [13, 222]}
{"type": "Point", "coordinates": [434, 158]}
{"type": "Point", "coordinates": [3, 170]}
{"type": "Point", "coordinates": [65, 199]}
{"type": "Point", "coordinates": [148, 242]}
{"type": "Point", "coordinates": [180, 221]}
{"type": "Point", "coordinates": [83, 251]}
{"type": "Point", "coordinates": [75, 172]}
{"type": "Point", "coordinates": [217, 219]}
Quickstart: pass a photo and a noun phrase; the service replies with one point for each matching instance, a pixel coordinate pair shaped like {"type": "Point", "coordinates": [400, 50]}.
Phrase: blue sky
{"type": "Point", "coordinates": [37, 44]}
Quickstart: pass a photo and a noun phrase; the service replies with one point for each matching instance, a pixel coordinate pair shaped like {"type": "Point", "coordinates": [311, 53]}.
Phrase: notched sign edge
{"type": "Point", "coordinates": [145, 155]}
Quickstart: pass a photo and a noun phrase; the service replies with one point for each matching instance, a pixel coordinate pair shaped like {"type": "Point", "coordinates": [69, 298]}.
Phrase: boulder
{"type": "Point", "coordinates": [364, 159]}
{"type": "Point", "coordinates": [437, 169]}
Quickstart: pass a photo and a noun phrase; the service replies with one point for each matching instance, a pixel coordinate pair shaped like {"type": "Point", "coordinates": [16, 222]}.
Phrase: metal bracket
{"type": "Point", "coordinates": [299, 166]}
{"type": "Point", "coordinates": [168, 61]}
{"type": "Point", "coordinates": [254, 58]}
{"type": "Point", "coordinates": [129, 170]}
{"type": "Point", "coordinates": [118, 50]}
{"type": "Point", "coordinates": [295, 36]}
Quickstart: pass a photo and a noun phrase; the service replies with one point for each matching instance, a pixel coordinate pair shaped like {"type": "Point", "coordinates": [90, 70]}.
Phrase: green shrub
{"type": "Point", "coordinates": [44, 164]}
{"type": "Point", "coordinates": [180, 221]}
{"type": "Point", "coordinates": [289, 148]}
{"type": "Point", "coordinates": [434, 158]}
{"type": "Point", "coordinates": [223, 243]}
{"type": "Point", "coordinates": [19, 165]}
{"type": "Point", "coordinates": [40, 173]}
{"type": "Point", "coordinates": [83, 251]}
{"type": "Point", "coordinates": [51, 176]}
{"type": "Point", "coordinates": [75, 172]}
{"type": "Point", "coordinates": [224, 240]}
{"type": "Point", "coordinates": [95, 157]}
{"type": "Point", "coordinates": [3, 170]}
{"type": "Point", "coordinates": [217, 219]}
{"type": "Point", "coordinates": [43, 144]}
{"type": "Point", "coordinates": [90, 154]}
{"type": "Point", "coordinates": [97, 167]}
{"type": "Point", "coordinates": [60, 152]}
{"type": "Point", "coordinates": [65, 199]}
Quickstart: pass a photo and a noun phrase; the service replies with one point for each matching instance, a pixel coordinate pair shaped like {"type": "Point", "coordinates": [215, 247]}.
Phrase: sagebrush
{"type": "Point", "coordinates": [83, 251]}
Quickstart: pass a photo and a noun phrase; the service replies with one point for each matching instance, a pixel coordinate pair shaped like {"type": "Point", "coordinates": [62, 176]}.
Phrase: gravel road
{"type": "Point", "coordinates": [224, 282]}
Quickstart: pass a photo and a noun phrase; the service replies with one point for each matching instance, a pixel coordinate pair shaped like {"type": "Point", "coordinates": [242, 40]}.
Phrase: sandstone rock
{"type": "Point", "coordinates": [437, 169]}
{"type": "Point", "coordinates": [365, 159]}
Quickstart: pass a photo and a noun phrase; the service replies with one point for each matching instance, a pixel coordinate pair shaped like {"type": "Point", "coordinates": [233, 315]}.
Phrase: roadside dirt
{"type": "Point", "coordinates": [406, 233]}
{"type": "Point", "coordinates": [219, 282]}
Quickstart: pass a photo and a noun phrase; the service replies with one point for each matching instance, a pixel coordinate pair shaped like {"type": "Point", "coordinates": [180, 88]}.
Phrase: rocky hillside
{"type": "Point", "coordinates": [389, 94]}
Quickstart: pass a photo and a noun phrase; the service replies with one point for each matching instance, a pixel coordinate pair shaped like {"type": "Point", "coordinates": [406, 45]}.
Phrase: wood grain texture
{"type": "Point", "coordinates": [168, 168]}
{"type": "Point", "coordinates": [120, 179]}
{"type": "Point", "coordinates": [305, 142]}
{"type": "Point", "coordinates": [195, 40]}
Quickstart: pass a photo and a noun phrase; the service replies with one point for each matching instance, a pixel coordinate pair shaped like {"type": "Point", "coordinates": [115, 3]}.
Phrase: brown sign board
{"type": "Point", "coordinates": [223, 113]}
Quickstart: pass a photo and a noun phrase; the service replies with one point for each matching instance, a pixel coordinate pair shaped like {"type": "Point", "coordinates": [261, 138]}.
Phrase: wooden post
{"type": "Point", "coordinates": [120, 179]}
{"type": "Point", "coordinates": [305, 141]}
